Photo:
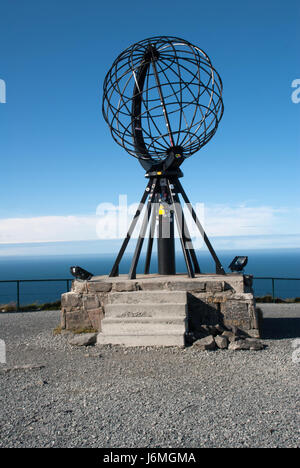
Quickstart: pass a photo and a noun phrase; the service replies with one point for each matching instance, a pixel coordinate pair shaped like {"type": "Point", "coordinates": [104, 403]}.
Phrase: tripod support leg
{"type": "Point", "coordinates": [115, 268]}
{"type": "Point", "coordinates": [179, 218]}
{"type": "Point", "coordinates": [150, 240]}
{"type": "Point", "coordinates": [139, 245]}
{"type": "Point", "coordinates": [219, 269]}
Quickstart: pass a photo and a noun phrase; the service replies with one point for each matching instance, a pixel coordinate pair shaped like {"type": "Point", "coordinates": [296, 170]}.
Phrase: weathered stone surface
{"type": "Point", "coordinates": [207, 343]}
{"type": "Point", "coordinates": [77, 319]}
{"type": "Point", "coordinates": [70, 300]}
{"type": "Point", "coordinates": [255, 344]}
{"type": "Point", "coordinates": [195, 286]}
{"type": "Point", "coordinates": [248, 343]}
{"type": "Point", "coordinates": [63, 322]}
{"type": "Point", "coordinates": [79, 286]}
{"type": "Point", "coordinates": [148, 297]}
{"type": "Point", "coordinates": [212, 300]}
{"type": "Point", "coordinates": [221, 341]}
{"type": "Point", "coordinates": [236, 331]}
{"type": "Point", "coordinates": [215, 286]}
{"type": "Point", "coordinates": [151, 286]}
{"type": "Point", "coordinates": [90, 301]}
{"type": "Point", "coordinates": [95, 317]}
{"type": "Point", "coordinates": [230, 336]}
{"type": "Point", "coordinates": [236, 313]}
{"type": "Point", "coordinates": [239, 345]}
{"type": "Point", "coordinates": [97, 286]}
{"type": "Point", "coordinates": [125, 286]}
{"type": "Point", "coordinates": [83, 339]}
{"type": "Point", "coordinates": [201, 312]}
{"type": "Point", "coordinates": [254, 333]}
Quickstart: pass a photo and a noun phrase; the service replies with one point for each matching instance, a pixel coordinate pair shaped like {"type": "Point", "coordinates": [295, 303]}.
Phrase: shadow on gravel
{"type": "Point", "coordinates": [280, 328]}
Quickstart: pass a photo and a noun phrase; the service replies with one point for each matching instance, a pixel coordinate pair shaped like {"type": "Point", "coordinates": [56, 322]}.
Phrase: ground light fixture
{"type": "Point", "coordinates": [80, 273]}
{"type": "Point", "coordinates": [238, 263]}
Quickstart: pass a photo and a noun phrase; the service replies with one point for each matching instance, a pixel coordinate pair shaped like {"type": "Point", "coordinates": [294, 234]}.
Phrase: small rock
{"type": "Point", "coordinates": [255, 345]}
{"type": "Point", "coordinates": [206, 343]}
{"type": "Point", "coordinates": [84, 339]}
{"type": "Point", "coordinates": [239, 345]}
{"type": "Point", "coordinates": [221, 342]}
{"type": "Point", "coordinates": [230, 336]}
{"type": "Point", "coordinates": [248, 343]}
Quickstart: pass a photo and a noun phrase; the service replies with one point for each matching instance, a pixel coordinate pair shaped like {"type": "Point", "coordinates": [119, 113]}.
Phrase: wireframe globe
{"type": "Point", "coordinates": [162, 93]}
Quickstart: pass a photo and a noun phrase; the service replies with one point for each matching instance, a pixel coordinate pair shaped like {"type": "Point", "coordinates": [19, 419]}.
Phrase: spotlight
{"type": "Point", "coordinates": [80, 273]}
{"type": "Point", "coordinates": [238, 263]}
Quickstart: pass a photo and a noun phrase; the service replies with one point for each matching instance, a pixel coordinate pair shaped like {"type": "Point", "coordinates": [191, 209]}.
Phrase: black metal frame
{"type": "Point", "coordinates": [162, 100]}
{"type": "Point", "coordinates": [175, 189]}
{"type": "Point", "coordinates": [160, 93]}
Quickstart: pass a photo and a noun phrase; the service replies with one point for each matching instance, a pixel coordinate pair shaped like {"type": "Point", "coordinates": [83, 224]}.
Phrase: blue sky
{"type": "Point", "coordinates": [58, 160]}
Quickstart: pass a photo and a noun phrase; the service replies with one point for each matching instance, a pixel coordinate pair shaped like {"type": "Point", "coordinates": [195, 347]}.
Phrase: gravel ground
{"type": "Point", "coordinates": [116, 397]}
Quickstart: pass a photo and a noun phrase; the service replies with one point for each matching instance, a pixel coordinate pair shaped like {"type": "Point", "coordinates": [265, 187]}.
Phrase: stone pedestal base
{"type": "Point", "coordinates": [158, 310]}
{"type": "Point", "coordinates": [145, 318]}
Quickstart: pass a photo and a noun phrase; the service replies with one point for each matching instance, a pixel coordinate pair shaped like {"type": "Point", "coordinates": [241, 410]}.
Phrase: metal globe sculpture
{"type": "Point", "coordinates": [162, 93]}
{"type": "Point", "coordinates": [162, 100]}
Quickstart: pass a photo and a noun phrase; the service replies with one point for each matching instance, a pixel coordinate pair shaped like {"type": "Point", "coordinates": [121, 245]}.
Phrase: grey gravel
{"type": "Point", "coordinates": [56, 395]}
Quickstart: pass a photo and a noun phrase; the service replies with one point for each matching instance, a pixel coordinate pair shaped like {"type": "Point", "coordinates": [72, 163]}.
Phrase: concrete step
{"type": "Point", "coordinates": [142, 325]}
{"type": "Point", "coordinates": [145, 310]}
{"type": "Point", "coordinates": [148, 297]}
{"type": "Point", "coordinates": [157, 339]}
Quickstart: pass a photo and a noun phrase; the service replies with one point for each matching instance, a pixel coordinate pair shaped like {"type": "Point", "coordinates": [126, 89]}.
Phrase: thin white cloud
{"type": "Point", "coordinates": [218, 221]}
{"type": "Point", "coordinates": [47, 229]}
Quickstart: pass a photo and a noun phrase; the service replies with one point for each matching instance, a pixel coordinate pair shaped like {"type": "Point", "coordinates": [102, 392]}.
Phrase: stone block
{"type": "Point", "coordinates": [125, 286]}
{"type": "Point", "coordinates": [236, 313]}
{"type": "Point", "coordinates": [70, 300]}
{"type": "Point", "coordinates": [201, 312]}
{"type": "Point", "coordinates": [253, 332]}
{"type": "Point", "coordinates": [95, 317]}
{"type": "Point", "coordinates": [195, 286]}
{"type": "Point", "coordinates": [90, 301]}
{"type": "Point", "coordinates": [148, 297]}
{"type": "Point", "coordinates": [151, 285]}
{"type": "Point", "coordinates": [207, 343]}
{"type": "Point", "coordinates": [248, 343]}
{"type": "Point", "coordinates": [231, 337]}
{"type": "Point", "coordinates": [83, 339]}
{"type": "Point", "coordinates": [99, 286]}
{"type": "Point", "coordinates": [157, 339]}
{"type": "Point", "coordinates": [145, 310]}
{"type": "Point", "coordinates": [215, 286]}
{"type": "Point", "coordinates": [77, 319]}
{"type": "Point", "coordinates": [63, 319]}
{"type": "Point", "coordinates": [79, 287]}
{"type": "Point", "coordinates": [221, 342]}
{"type": "Point", "coordinates": [143, 325]}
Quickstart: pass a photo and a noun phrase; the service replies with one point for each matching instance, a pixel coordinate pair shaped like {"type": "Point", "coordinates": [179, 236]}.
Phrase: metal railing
{"type": "Point", "coordinates": [18, 282]}
{"type": "Point", "coordinates": [68, 280]}
{"type": "Point", "coordinates": [273, 279]}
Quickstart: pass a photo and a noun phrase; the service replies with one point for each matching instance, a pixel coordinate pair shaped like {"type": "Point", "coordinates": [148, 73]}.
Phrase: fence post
{"type": "Point", "coordinates": [273, 289]}
{"type": "Point", "coordinates": [18, 295]}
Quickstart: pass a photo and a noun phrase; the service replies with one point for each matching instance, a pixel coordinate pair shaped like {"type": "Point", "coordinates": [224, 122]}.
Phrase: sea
{"type": "Point", "coordinates": [279, 263]}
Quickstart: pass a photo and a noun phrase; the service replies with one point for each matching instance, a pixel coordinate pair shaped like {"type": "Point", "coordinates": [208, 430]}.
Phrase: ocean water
{"type": "Point", "coordinates": [281, 263]}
